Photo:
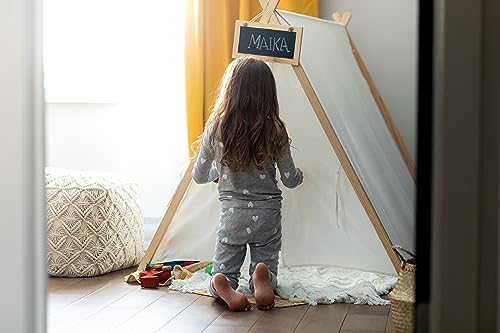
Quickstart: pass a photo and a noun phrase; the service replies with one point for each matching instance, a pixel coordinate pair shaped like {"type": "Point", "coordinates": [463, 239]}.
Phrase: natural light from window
{"type": "Point", "coordinates": [114, 90]}
{"type": "Point", "coordinates": [107, 51]}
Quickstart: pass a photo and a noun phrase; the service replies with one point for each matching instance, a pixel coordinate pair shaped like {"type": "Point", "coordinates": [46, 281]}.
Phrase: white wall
{"type": "Point", "coordinates": [145, 142]}
{"type": "Point", "coordinates": [22, 308]}
{"type": "Point", "coordinates": [385, 33]}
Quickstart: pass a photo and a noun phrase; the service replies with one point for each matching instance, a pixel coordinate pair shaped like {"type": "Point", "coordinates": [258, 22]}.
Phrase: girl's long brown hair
{"type": "Point", "coordinates": [245, 117]}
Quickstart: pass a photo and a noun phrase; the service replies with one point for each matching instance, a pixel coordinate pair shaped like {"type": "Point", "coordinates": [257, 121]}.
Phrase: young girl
{"type": "Point", "coordinates": [243, 142]}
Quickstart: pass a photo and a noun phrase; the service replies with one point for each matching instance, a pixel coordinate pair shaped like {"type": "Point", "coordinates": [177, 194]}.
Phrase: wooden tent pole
{"type": "Point", "coordinates": [167, 218]}
{"type": "Point", "coordinates": [346, 17]}
{"type": "Point", "coordinates": [269, 8]}
{"type": "Point", "coordinates": [337, 18]}
{"type": "Point", "coordinates": [346, 164]}
{"type": "Point", "coordinates": [335, 142]}
{"type": "Point", "coordinates": [383, 110]}
{"type": "Point", "coordinates": [344, 20]}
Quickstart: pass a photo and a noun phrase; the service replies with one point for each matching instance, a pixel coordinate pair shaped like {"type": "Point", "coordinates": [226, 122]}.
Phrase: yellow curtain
{"type": "Point", "coordinates": [208, 46]}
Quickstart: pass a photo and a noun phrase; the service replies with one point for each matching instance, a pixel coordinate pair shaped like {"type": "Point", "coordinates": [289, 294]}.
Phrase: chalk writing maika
{"type": "Point", "coordinates": [269, 44]}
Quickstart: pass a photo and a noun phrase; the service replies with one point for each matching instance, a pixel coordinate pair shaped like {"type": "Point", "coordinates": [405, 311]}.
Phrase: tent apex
{"type": "Point", "coordinates": [342, 18]}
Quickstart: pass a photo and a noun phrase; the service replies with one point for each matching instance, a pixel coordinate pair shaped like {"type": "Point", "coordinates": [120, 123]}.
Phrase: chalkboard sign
{"type": "Point", "coordinates": [268, 42]}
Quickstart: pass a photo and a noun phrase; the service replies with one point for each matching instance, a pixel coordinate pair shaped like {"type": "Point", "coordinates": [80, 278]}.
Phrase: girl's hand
{"type": "Point", "coordinates": [301, 175]}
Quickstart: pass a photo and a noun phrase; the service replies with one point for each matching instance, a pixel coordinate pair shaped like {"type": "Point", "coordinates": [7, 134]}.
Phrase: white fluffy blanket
{"type": "Point", "coordinates": [312, 284]}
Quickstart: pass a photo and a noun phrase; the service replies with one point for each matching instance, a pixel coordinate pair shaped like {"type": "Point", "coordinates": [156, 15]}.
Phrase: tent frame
{"type": "Point", "coordinates": [269, 16]}
{"type": "Point", "coordinates": [344, 20]}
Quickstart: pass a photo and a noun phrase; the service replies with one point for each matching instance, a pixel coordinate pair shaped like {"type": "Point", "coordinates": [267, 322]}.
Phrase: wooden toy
{"type": "Point", "coordinates": [155, 275]}
{"type": "Point", "coordinates": [149, 281]}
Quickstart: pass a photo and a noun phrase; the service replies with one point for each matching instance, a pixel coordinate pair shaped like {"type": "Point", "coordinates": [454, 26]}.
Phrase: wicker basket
{"type": "Point", "coordinates": [402, 297]}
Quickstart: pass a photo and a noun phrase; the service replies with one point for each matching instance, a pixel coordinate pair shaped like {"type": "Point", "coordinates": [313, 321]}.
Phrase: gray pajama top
{"type": "Point", "coordinates": [258, 186]}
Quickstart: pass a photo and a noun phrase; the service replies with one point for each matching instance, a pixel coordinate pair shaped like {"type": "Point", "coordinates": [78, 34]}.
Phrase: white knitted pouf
{"type": "Point", "coordinates": [94, 223]}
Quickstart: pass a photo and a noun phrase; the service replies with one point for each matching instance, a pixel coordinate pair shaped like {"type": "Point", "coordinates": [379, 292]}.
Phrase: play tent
{"type": "Point", "coordinates": [357, 199]}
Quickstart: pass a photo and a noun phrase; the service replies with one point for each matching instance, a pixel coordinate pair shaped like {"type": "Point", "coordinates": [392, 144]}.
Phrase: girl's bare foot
{"type": "Point", "coordinates": [264, 294]}
{"type": "Point", "coordinates": [234, 299]}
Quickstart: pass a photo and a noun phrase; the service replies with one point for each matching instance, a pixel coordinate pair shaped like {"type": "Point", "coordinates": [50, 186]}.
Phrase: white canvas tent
{"type": "Point", "coordinates": [357, 199]}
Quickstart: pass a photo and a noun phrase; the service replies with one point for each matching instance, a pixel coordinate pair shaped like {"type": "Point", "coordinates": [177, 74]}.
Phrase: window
{"type": "Point", "coordinates": [100, 51]}
{"type": "Point", "coordinates": [114, 88]}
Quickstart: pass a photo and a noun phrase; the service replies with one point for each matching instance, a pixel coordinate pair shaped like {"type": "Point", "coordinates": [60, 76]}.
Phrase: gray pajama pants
{"type": "Point", "coordinates": [242, 223]}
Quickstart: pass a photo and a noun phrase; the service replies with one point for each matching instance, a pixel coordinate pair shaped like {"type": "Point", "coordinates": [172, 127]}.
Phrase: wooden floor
{"type": "Point", "coordinates": [107, 304]}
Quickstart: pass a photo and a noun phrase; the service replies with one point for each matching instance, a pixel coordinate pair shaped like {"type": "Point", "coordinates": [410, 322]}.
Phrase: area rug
{"type": "Point", "coordinates": [308, 285]}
